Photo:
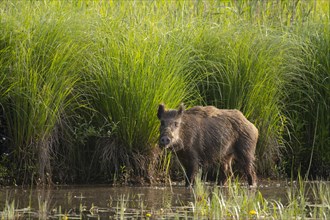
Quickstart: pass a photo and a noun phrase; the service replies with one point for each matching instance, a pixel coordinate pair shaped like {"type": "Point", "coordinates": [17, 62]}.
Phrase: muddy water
{"type": "Point", "coordinates": [103, 201]}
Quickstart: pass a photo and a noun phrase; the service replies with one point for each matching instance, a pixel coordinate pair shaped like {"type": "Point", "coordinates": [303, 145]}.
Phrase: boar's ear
{"type": "Point", "coordinates": [161, 110]}
{"type": "Point", "coordinates": [181, 109]}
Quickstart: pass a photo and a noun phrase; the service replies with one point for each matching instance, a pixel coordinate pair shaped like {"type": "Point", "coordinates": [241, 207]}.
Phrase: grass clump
{"type": "Point", "coordinates": [41, 64]}
{"type": "Point", "coordinates": [137, 68]}
{"type": "Point", "coordinates": [307, 102]}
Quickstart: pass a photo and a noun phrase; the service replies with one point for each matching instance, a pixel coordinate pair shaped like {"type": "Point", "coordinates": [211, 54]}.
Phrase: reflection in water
{"type": "Point", "coordinates": [73, 198]}
{"type": "Point", "coordinates": [102, 198]}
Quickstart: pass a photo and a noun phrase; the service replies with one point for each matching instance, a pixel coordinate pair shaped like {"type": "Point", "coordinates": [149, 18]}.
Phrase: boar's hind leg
{"type": "Point", "coordinates": [244, 150]}
{"type": "Point", "coordinates": [247, 166]}
{"type": "Point", "coordinates": [225, 170]}
{"type": "Point", "coordinates": [251, 175]}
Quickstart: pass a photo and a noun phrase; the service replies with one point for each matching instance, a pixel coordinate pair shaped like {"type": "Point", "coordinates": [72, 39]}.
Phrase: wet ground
{"type": "Point", "coordinates": [104, 201]}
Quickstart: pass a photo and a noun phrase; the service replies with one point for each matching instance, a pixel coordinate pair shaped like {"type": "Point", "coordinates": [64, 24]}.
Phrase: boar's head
{"type": "Point", "coordinates": [170, 124]}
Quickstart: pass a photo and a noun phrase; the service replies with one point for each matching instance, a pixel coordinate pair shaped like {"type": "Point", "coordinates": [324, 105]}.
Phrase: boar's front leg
{"type": "Point", "coordinates": [191, 172]}
{"type": "Point", "coordinates": [191, 167]}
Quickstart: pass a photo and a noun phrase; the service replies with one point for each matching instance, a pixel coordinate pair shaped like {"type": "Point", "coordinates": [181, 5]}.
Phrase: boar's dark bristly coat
{"type": "Point", "coordinates": [208, 136]}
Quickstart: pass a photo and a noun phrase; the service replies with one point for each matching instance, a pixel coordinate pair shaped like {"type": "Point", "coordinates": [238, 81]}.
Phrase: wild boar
{"type": "Point", "coordinates": [208, 137]}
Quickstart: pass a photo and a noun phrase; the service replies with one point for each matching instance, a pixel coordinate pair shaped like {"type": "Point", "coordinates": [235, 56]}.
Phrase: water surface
{"type": "Point", "coordinates": [105, 201]}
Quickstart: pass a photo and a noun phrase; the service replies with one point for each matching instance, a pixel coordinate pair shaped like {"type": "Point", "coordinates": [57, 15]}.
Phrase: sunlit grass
{"type": "Point", "coordinates": [42, 72]}
{"type": "Point", "coordinates": [9, 210]}
{"type": "Point", "coordinates": [237, 201]}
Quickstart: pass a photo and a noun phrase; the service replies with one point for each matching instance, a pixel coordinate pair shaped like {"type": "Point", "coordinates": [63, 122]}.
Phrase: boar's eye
{"type": "Point", "coordinates": [162, 123]}
{"type": "Point", "coordinates": [176, 124]}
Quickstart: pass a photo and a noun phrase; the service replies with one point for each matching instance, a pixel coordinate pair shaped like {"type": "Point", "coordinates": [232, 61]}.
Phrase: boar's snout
{"type": "Point", "coordinates": [164, 140]}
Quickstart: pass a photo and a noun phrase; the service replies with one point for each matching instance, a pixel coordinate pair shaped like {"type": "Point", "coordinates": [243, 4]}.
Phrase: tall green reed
{"type": "Point", "coordinates": [137, 68]}
{"type": "Point", "coordinates": [42, 67]}
{"type": "Point", "coordinates": [308, 101]}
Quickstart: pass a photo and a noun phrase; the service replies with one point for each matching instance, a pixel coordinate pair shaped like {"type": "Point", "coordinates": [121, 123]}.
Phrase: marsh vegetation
{"type": "Point", "coordinates": [80, 82]}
